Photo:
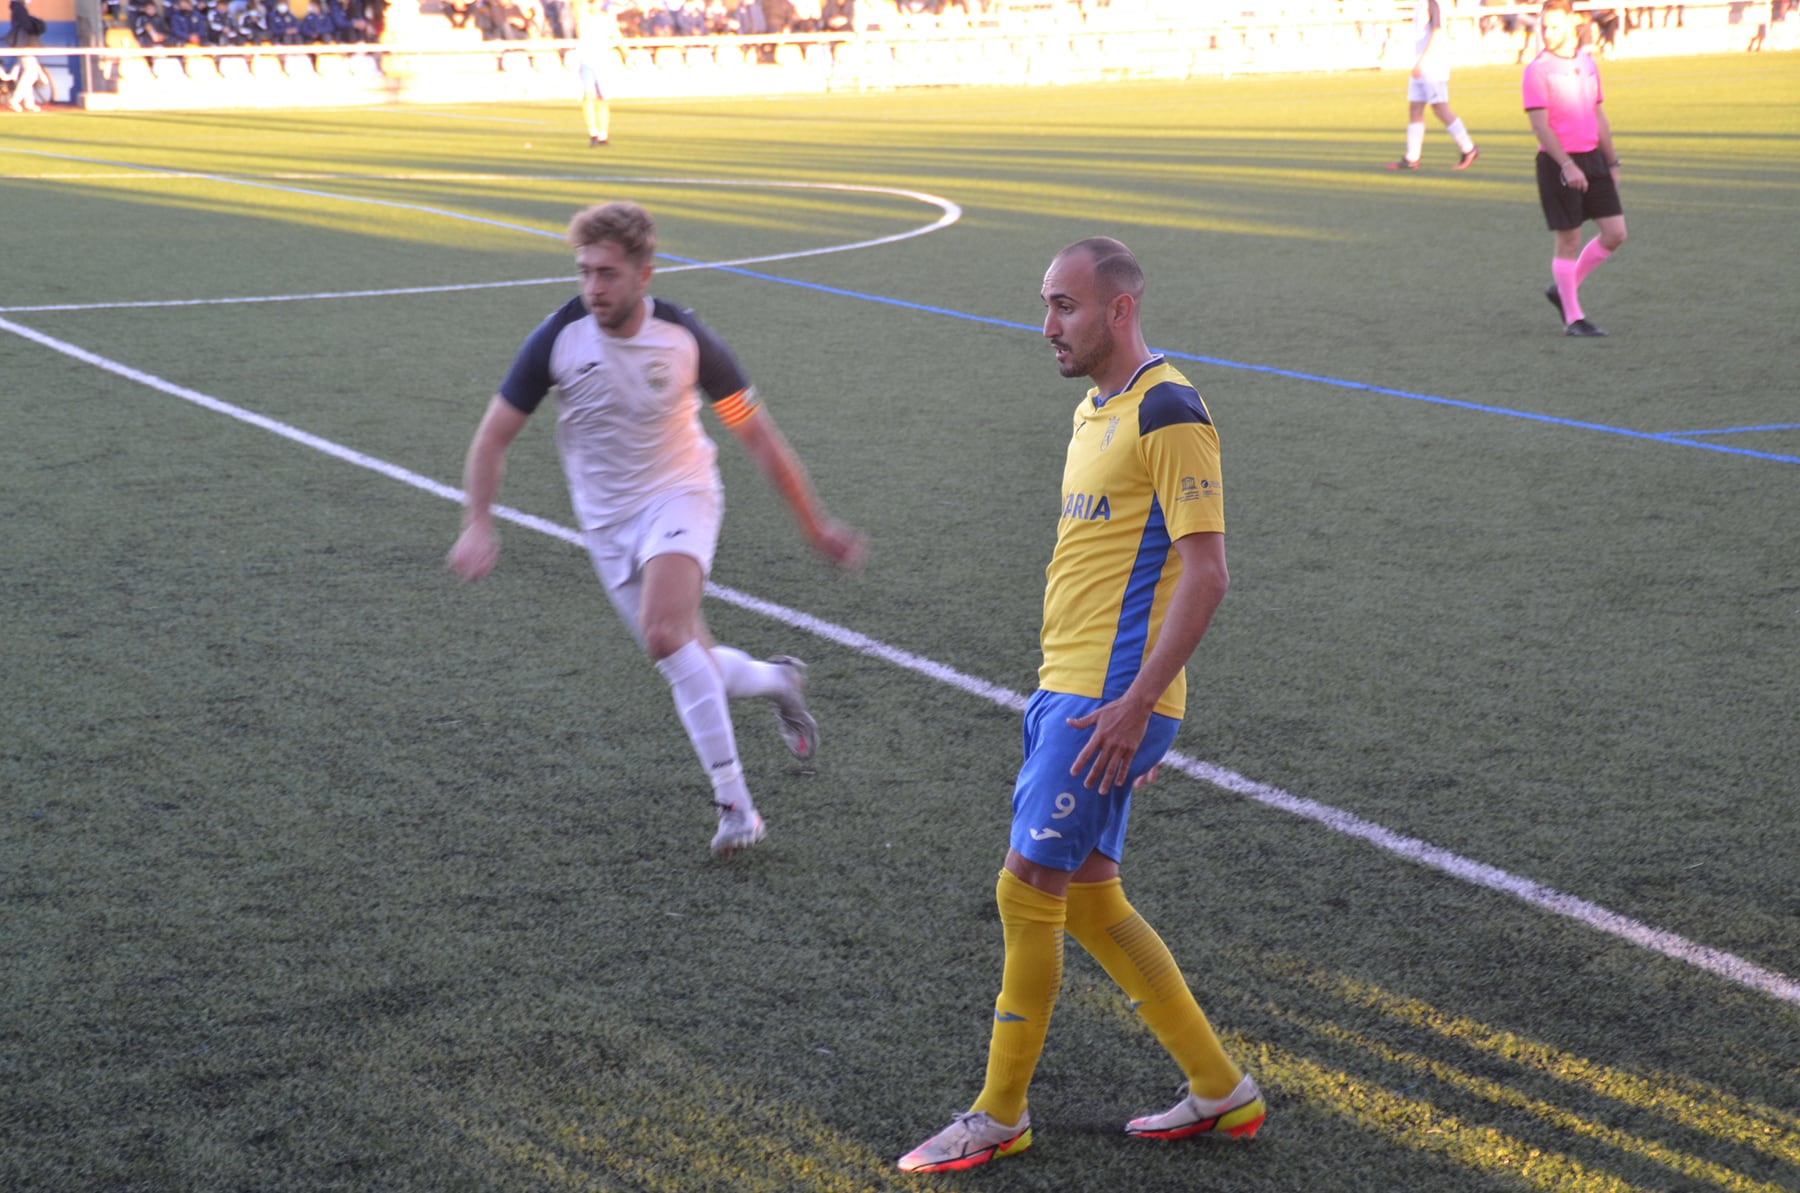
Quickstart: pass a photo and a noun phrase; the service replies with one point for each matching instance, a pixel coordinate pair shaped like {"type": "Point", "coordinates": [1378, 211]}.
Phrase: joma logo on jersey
{"type": "Point", "coordinates": [1086, 507]}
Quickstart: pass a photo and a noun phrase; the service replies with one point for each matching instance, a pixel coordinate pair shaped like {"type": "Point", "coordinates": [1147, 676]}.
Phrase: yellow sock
{"type": "Point", "coordinates": [1104, 923]}
{"type": "Point", "coordinates": [1033, 922]}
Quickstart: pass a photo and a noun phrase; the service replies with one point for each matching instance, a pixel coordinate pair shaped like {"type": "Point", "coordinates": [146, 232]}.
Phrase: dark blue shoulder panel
{"type": "Point", "coordinates": [720, 374]}
{"type": "Point", "coordinates": [1168, 404]}
{"type": "Point", "coordinates": [529, 378]}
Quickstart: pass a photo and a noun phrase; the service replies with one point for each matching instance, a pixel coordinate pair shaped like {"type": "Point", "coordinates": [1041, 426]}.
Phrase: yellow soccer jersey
{"type": "Point", "coordinates": [1142, 471]}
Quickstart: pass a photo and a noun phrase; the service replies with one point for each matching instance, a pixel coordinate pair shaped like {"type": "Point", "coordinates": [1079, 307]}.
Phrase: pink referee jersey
{"type": "Point", "coordinates": [1569, 90]}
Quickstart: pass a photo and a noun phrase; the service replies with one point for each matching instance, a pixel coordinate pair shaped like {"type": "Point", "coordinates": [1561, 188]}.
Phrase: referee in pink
{"type": "Point", "coordinates": [1577, 168]}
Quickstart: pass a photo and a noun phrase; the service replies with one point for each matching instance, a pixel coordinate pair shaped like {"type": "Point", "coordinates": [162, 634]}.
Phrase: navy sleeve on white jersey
{"type": "Point", "coordinates": [529, 379]}
{"type": "Point", "coordinates": [720, 375]}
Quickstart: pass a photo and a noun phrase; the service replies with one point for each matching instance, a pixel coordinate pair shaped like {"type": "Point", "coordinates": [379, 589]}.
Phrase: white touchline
{"type": "Point", "coordinates": [1722, 964]}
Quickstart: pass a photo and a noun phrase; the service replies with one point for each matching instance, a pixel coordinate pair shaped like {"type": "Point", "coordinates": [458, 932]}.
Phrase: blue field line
{"type": "Point", "coordinates": [1678, 438]}
{"type": "Point", "coordinates": [1291, 374]}
{"type": "Point", "coordinates": [1730, 430]}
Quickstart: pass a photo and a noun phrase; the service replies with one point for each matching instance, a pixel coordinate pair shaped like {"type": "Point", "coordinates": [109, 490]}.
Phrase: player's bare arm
{"type": "Point", "coordinates": [1119, 725]}
{"type": "Point", "coordinates": [1571, 173]}
{"type": "Point", "coordinates": [1606, 142]}
{"type": "Point", "coordinates": [477, 548]}
{"type": "Point", "coordinates": [843, 545]}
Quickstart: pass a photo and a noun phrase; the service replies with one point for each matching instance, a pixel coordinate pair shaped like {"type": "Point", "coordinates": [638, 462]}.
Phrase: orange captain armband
{"type": "Point", "coordinates": [737, 408]}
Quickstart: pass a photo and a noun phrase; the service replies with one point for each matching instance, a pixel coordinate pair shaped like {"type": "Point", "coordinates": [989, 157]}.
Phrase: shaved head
{"type": "Point", "coordinates": [1116, 271]}
{"type": "Point", "coordinates": [1091, 295]}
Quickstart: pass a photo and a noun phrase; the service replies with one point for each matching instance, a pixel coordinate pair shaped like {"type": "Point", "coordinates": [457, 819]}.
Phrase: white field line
{"type": "Point", "coordinates": [948, 213]}
{"type": "Point", "coordinates": [1721, 964]}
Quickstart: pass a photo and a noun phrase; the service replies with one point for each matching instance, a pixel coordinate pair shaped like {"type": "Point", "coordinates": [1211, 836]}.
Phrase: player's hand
{"type": "Point", "coordinates": [474, 553]}
{"type": "Point", "coordinates": [1118, 732]}
{"type": "Point", "coordinates": [1148, 777]}
{"type": "Point", "coordinates": [1580, 181]}
{"type": "Point", "coordinates": [843, 545]}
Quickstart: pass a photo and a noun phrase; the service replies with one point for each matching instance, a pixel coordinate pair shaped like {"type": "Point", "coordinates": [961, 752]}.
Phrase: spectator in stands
{"type": "Point", "coordinates": [838, 16]}
{"type": "Point", "coordinates": [315, 27]}
{"type": "Point", "coordinates": [458, 12]}
{"type": "Point", "coordinates": [220, 29]}
{"type": "Point", "coordinates": [284, 30]}
{"type": "Point", "coordinates": [251, 23]}
{"type": "Point", "coordinates": [1606, 26]}
{"type": "Point", "coordinates": [1525, 24]}
{"type": "Point", "coordinates": [747, 19]}
{"type": "Point", "coordinates": [490, 18]}
{"type": "Point", "coordinates": [148, 25]}
{"type": "Point", "coordinates": [519, 21]}
{"type": "Point", "coordinates": [556, 20]}
{"type": "Point", "coordinates": [1777, 13]}
{"type": "Point", "coordinates": [25, 28]}
{"type": "Point", "coordinates": [113, 16]}
{"type": "Point", "coordinates": [690, 17]}
{"type": "Point", "coordinates": [778, 15]}
{"type": "Point", "coordinates": [629, 19]}
{"type": "Point", "coordinates": [347, 27]}
{"type": "Point", "coordinates": [806, 16]}
{"type": "Point", "coordinates": [656, 20]}
{"type": "Point", "coordinates": [186, 27]}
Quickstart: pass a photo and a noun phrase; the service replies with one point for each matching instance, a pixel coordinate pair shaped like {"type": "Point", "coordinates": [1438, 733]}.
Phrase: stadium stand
{"type": "Point", "coordinates": [424, 55]}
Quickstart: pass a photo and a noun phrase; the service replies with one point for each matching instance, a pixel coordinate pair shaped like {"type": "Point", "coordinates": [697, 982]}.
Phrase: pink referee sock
{"type": "Point", "coordinates": [1591, 255]}
{"type": "Point", "coordinates": [1568, 281]}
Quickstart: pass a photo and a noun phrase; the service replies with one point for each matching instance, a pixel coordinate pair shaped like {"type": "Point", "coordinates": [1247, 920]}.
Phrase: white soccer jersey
{"type": "Point", "coordinates": [628, 423]}
{"type": "Point", "coordinates": [1426, 16]}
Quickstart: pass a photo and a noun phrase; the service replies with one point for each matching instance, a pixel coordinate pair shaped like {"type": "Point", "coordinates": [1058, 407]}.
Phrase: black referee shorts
{"type": "Point", "coordinates": [1564, 206]}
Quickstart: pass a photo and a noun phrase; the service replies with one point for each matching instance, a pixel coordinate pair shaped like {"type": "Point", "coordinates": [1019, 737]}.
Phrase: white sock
{"type": "Point", "coordinates": [1460, 135]}
{"type": "Point", "coordinates": [1415, 141]}
{"type": "Point", "coordinates": [745, 676]}
{"type": "Point", "coordinates": [701, 703]}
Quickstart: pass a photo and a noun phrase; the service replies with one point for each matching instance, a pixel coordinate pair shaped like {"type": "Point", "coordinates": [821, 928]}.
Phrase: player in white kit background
{"type": "Point", "coordinates": [631, 372]}
{"type": "Point", "coordinates": [1430, 85]}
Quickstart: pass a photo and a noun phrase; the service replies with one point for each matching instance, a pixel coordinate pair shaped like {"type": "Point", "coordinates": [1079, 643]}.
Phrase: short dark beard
{"type": "Point", "coordinates": [1087, 366]}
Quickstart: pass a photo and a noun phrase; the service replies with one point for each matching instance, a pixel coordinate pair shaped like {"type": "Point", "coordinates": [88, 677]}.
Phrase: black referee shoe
{"type": "Point", "coordinates": [1581, 327]}
{"type": "Point", "coordinates": [1555, 297]}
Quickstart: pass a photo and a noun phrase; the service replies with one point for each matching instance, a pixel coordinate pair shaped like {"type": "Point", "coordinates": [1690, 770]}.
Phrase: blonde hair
{"type": "Point", "coordinates": [622, 222]}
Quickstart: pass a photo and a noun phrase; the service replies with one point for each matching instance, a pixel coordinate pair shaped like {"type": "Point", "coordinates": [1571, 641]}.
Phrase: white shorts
{"type": "Point", "coordinates": [1428, 91]}
{"type": "Point", "coordinates": [683, 523]}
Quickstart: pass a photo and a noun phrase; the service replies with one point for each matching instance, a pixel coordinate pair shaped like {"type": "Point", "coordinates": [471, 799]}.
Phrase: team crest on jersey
{"type": "Point", "coordinates": [657, 375]}
{"type": "Point", "coordinates": [1111, 426]}
{"type": "Point", "coordinates": [1194, 490]}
